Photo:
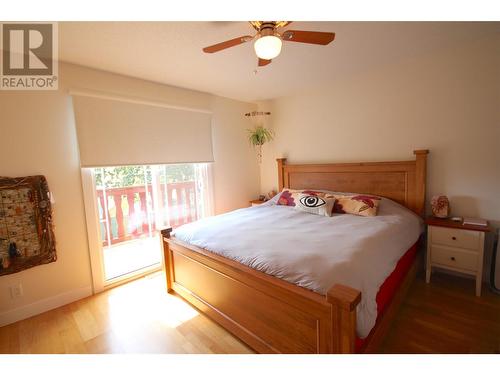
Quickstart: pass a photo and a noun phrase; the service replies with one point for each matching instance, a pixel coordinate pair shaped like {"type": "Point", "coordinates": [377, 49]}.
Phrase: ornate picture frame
{"type": "Point", "coordinates": [26, 231]}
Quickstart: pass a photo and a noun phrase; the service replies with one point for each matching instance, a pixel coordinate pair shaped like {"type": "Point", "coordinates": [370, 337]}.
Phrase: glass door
{"type": "Point", "coordinates": [133, 202]}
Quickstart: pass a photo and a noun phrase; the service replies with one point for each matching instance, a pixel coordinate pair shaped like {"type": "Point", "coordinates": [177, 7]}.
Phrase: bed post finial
{"type": "Point", "coordinates": [344, 301]}
{"type": "Point", "coordinates": [166, 232]}
{"type": "Point", "coordinates": [281, 174]}
{"type": "Point", "coordinates": [420, 174]}
{"type": "Point", "coordinates": [167, 255]}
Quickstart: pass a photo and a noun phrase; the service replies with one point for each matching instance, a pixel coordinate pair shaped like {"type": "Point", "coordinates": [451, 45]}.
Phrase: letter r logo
{"type": "Point", "coordinates": [27, 49]}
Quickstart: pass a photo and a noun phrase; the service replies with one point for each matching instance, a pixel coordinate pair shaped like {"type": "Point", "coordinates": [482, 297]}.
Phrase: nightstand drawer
{"type": "Point", "coordinates": [456, 258]}
{"type": "Point", "coordinates": [466, 239]}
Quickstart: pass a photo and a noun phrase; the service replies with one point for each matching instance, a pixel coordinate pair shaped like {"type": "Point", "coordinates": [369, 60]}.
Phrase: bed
{"type": "Point", "coordinates": [271, 313]}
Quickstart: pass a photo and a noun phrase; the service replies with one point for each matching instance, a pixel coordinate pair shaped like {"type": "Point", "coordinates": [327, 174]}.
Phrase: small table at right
{"type": "Point", "coordinates": [457, 247]}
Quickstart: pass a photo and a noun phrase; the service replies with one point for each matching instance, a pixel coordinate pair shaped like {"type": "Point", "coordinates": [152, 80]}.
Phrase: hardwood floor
{"type": "Point", "coordinates": [140, 317]}
{"type": "Point", "coordinates": [445, 316]}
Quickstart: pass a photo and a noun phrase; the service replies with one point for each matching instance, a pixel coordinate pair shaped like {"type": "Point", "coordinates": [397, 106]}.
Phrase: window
{"type": "Point", "coordinates": [134, 202]}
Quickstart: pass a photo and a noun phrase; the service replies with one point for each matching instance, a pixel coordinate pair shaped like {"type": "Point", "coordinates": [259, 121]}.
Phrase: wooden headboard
{"type": "Point", "coordinates": [401, 181]}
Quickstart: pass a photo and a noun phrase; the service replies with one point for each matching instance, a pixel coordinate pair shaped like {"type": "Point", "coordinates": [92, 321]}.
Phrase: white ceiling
{"type": "Point", "coordinates": [171, 52]}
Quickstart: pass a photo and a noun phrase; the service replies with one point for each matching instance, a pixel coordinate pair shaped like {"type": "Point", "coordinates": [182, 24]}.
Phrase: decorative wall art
{"type": "Point", "coordinates": [26, 233]}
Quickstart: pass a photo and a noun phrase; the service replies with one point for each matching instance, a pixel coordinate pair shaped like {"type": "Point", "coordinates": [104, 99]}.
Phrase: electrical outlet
{"type": "Point", "coordinates": [16, 291]}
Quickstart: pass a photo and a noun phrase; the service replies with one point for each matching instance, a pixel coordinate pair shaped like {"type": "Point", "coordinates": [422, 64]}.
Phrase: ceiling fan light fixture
{"type": "Point", "coordinates": [268, 47]}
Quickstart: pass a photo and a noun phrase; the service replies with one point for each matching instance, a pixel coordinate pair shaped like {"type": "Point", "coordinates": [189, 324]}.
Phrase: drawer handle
{"type": "Point", "coordinates": [454, 238]}
{"type": "Point", "coordinates": [452, 258]}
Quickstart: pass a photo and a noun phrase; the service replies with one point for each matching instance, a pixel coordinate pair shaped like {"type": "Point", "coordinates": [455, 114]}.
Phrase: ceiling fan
{"type": "Point", "coordinates": [268, 40]}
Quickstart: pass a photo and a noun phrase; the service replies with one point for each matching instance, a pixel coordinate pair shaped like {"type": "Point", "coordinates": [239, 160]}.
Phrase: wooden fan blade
{"type": "Point", "coordinates": [312, 37]}
{"type": "Point", "coordinates": [263, 62]}
{"type": "Point", "coordinates": [228, 43]}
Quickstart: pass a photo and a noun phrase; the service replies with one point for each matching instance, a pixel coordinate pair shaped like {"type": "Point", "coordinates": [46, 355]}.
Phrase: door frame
{"type": "Point", "coordinates": [99, 282]}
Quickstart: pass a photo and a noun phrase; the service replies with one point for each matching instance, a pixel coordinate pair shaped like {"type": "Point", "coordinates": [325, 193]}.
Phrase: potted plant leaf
{"type": "Point", "coordinates": [258, 136]}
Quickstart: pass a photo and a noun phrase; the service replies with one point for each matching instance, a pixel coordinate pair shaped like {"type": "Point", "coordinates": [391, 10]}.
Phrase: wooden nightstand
{"type": "Point", "coordinates": [457, 247]}
{"type": "Point", "coordinates": [256, 202]}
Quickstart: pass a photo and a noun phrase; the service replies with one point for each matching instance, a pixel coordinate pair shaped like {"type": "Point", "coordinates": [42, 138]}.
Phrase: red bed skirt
{"type": "Point", "coordinates": [389, 289]}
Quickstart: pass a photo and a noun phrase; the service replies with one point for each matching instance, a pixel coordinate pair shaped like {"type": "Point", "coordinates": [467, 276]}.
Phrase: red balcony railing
{"type": "Point", "coordinates": [132, 215]}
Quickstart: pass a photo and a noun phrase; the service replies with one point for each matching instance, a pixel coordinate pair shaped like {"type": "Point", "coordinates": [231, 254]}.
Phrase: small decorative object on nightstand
{"type": "Point", "coordinates": [271, 194]}
{"type": "Point", "coordinates": [256, 202]}
{"type": "Point", "coordinates": [455, 246]}
{"type": "Point", "coordinates": [440, 206]}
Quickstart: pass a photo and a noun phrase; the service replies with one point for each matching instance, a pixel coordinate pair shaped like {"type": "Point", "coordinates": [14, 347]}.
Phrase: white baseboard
{"type": "Point", "coordinates": [35, 308]}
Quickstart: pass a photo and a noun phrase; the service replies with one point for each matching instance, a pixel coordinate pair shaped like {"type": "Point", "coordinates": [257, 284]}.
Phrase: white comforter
{"type": "Point", "coordinates": [313, 251]}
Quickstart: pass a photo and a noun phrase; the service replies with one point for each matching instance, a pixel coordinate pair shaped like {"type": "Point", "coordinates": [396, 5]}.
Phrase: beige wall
{"type": "Point", "coordinates": [38, 136]}
{"type": "Point", "coordinates": [236, 171]}
{"type": "Point", "coordinates": [447, 102]}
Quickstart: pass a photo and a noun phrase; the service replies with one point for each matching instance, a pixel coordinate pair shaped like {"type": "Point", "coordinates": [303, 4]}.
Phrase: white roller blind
{"type": "Point", "coordinates": [115, 132]}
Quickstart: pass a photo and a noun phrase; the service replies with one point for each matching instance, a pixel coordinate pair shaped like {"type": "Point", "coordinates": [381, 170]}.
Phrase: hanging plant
{"type": "Point", "coordinates": [258, 136]}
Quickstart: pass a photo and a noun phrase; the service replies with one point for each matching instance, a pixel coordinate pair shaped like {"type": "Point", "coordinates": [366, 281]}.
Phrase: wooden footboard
{"type": "Point", "coordinates": [270, 315]}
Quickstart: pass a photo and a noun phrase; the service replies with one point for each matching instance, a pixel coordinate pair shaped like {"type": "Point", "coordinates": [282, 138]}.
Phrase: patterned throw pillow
{"type": "Point", "coordinates": [362, 205]}
{"type": "Point", "coordinates": [290, 197]}
{"type": "Point", "coordinates": [315, 204]}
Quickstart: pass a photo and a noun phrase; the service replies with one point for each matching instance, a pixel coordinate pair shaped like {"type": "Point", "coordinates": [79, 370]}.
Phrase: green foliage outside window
{"type": "Point", "coordinates": [136, 175]}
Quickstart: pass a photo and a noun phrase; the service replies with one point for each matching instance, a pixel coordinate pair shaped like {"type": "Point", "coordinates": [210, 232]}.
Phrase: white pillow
{"type": "Point", "coordinates": [316, 205]}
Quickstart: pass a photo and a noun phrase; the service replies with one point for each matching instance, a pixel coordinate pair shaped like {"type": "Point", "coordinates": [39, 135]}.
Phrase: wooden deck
{"type": "Point", "coordinates": [132, 255]}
